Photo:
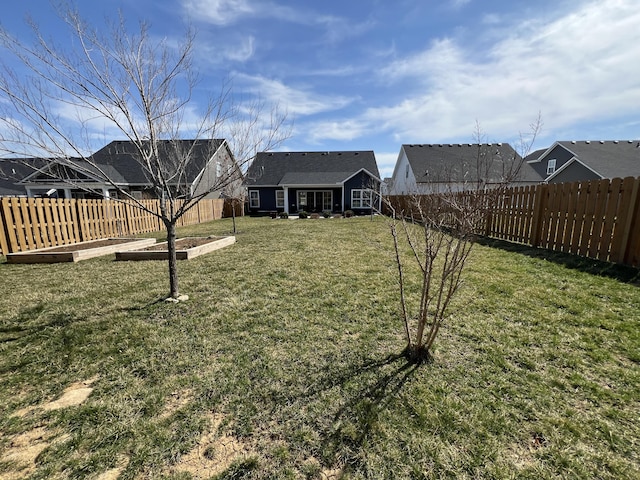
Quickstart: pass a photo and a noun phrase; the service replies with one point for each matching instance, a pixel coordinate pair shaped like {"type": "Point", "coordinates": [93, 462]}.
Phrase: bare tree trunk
{"type": "Point", "coordinates": [173, 263]}
{"type": "Point", "coordinates": [233, 215]}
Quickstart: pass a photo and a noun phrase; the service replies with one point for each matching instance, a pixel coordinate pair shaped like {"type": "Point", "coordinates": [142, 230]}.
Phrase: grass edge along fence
{"type": "Point", "coordinates": [32, 223]}
{"type": "Point", "coordinates": [598, 219]}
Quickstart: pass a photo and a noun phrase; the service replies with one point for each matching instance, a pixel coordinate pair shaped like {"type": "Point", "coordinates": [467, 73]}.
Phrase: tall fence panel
{"type": "Point", "coordinates": [598, 219]}
{"type": "Point", "coordinates": [32, 223]}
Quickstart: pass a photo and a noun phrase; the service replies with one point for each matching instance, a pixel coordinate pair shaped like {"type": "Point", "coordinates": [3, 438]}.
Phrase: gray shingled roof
{"type": "Point", "coordinates": [610, 159]}
{"type": "Point", "coordinates": [118, 158]}
{"type": "Point", "coordinates": [12, 170]}
{"type": "Point", "coordinates": [464, 162]}
{"type": "Point", "coordinates": [309, 168]}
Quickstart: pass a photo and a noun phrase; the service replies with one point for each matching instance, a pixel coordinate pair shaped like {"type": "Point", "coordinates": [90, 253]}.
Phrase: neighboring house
{"type": "Point", "coordinates": [12, 171]}
{"type": "Point", "coordinates": [587, 160]}
{"type": "Point", "coordinates": [210, 160]}
{"type": "Point", "coordinates": [432, 168]}
{"type": "Point", "coordinates": [313, 182]}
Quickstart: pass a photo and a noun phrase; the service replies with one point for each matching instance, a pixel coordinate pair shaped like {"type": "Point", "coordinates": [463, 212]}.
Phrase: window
{"type": "Point", "coordinates": [551, 166]}
{"type": "Point", "coordinates": [279, 198]}
{"type": "Point", "coordinates": [254, 199]}
{"type": "Point", "coordinates": [302, 199]}
{"type": "Point", "coordinates": [406, 172]}
{"type": "Point", "coordinates": [327, 201]}
{"type": "Point", "coordinates": [360, 198]}
{"type": "Point", "coordinates": [218, 169]}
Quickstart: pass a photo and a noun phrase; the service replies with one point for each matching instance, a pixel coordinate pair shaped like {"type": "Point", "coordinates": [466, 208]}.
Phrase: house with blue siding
{"type": "Point", "coordinates": [572, 161]}
{"type": "Point", "coordinates": [333, 182]}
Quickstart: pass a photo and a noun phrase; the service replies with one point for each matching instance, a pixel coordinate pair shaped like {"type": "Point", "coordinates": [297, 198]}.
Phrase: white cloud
{"type": "Point", "coordinates": [242, 52]}
{"type": "Point", "coordinates": [386, 162]}
{"type": "Point", "coordinates": [226, 12]}
{"type": "Point", "coordinates": [458, 4]}
{"type": "Point", "coordinates": [218, 12]}
{"type": "Point", "coordinates": [336, 130]}
{"type": "Point", "coordinates": [297, 101]}
{"type": "Point", "coordinates": [582, 66]}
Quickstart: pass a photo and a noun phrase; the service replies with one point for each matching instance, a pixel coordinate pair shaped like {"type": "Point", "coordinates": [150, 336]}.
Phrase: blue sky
{"type": "Point", "coordinates": [374, 74]}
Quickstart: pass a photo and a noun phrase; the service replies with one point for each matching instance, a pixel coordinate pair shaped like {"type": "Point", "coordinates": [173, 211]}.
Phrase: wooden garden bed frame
{"type": "Point", "coordinates": [215, 243]}
{"type": "Point", "coordinates": [79, 251]}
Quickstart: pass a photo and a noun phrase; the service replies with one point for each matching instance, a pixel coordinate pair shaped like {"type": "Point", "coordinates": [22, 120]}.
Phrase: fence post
{"type": "Point", "coordinates": [538, 209]}
{"type": "Point", "coordinates": [4, 228]}
{"type": "Point", "coordinates": [628, 254]}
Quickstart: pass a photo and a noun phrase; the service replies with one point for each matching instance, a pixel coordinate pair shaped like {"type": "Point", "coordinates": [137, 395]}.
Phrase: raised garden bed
{"type": "Point", "coordinates": [79, 251]}
{"type": "Point", "coordinates": [186, 248]}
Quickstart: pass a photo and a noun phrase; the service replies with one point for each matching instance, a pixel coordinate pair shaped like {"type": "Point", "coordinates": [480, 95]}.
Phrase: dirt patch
{"type": "Point", "coordinates": [107, 242]}
{"type": "Point", "coordinates": [326, 474]}
{"type": "Point", "coordinates": [177, 400]}
{"type": "Point", "coordinates": [114, 473]}
{"type": "Point", "coordinates": [213, 455]}
{"type": "Point", "coordinates": [73, 395]}
{"type": "Point", "coordinates": [181, 244]}
{"type": "Point", "coordinates": [24, 449]}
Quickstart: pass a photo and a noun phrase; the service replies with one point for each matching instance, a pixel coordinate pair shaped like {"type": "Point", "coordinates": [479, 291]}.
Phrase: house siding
{"type": "Point", "coordinates": [403, 180]}
{"type": "Point", "coordinates": [267, 197]}
{"type": "Point", "coordinates": [360, 181]}
{"type": "Point", "coordinates": [574, 173]}
{"type": "Point", "coordinates": [562, 156]}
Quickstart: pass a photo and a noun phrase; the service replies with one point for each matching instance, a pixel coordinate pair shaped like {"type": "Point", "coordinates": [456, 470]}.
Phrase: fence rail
{"type": "Point", "coordinates": [598, 219]}
{"type": "Point", "coordinates": [31, 223]}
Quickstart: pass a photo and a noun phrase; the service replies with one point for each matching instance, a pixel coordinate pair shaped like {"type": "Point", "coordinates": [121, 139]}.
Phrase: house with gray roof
{"type": "Point", "coordinates": [313, 182]}
{"type": "Point", "coordinates": [433, 168]}
{"type": "Point", "coordinates": [12, 171]}
{"type": "Point", "coordinates": [204, 162]}
{"type": "Point", "coordinates": [572, 161]}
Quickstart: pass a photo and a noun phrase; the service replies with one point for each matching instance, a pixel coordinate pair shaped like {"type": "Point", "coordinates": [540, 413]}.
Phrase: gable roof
{"type": "Point", "coordinates": [465, 162]}
{"type": "Point", "coordinates": [118, 161]}
{"type": "Point", "coordinates": [13, 170]}
{"type": "Point", "coordinates": [608, 159]}
{"type": "Point", "coordinates": [309, 168]}
{"type": "Point", "coordinates": [118, 158]}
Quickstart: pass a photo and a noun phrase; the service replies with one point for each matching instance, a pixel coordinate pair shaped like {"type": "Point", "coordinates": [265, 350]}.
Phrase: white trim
{"type": "Point", "coordinates": [548, 151]}
{"type": "Point", "coordinates": [362, 197]}
{"type": "Point", "coordinates": [284, 202]}
{"type": "Point", "coordinates": [251, 205]}
{"type": "Point", "coordinates": [361, 170]}
{"type": "Point", "coordinates": [551, 165]}
{"type": "Point", "coordinates": [567, 164]}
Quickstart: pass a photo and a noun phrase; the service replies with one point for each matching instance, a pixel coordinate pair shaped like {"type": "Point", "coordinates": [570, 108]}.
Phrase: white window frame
{"type": "Point", "coordinates": [327, 200]}
{"type": "Point", "coordinates": [254, 198]}
{"type": "Point", "coordinates": [551, 166]}
{"type": "Point", "coordinates": [302, 198]}
{"type": "Point", "coordinates": [361, 198]}
{"type": "Point", "coordinates": [279, 198]}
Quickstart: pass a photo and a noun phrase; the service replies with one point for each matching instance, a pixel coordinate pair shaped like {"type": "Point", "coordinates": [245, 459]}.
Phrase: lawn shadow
{"type": "Point", "coordinates": [622, 273]}
{"type": "Point", "coordinates": [367, 388]}
{"type": "Point", "coordinates": [30, 327]}
{"type": "Point", "coordinates": [23, 324]}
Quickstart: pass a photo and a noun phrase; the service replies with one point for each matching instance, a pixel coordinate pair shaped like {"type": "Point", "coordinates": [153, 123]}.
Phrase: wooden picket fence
{"type": "Point", "coordinates": [597, 219]}
{"type": "Point", "coordinates": [31, 223]}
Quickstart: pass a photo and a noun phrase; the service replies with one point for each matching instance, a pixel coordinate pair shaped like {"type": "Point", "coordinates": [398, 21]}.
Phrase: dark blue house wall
{"type": "Point", "coordinates": [360, 181]}
{"type": "Point", "coordinates": [267, 199]}
{"type": "Point", "coordinates": [561, 155]}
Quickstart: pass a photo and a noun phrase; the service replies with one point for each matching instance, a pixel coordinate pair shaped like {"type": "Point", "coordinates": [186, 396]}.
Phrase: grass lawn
{"type": "Point", "coordinates": [285, 363]}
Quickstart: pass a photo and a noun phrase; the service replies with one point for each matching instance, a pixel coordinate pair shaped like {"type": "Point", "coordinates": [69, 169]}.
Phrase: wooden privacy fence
{"type": "Point", "coordinates": [31, 223]}
{"type": "Point", "coordinates": [598, 219]}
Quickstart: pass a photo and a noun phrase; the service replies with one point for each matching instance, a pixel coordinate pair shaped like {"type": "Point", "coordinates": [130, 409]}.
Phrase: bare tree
{"type": "Point", "coordinates": [54, 96]}
{"type": "Point", "coordinates": [439, 231]}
